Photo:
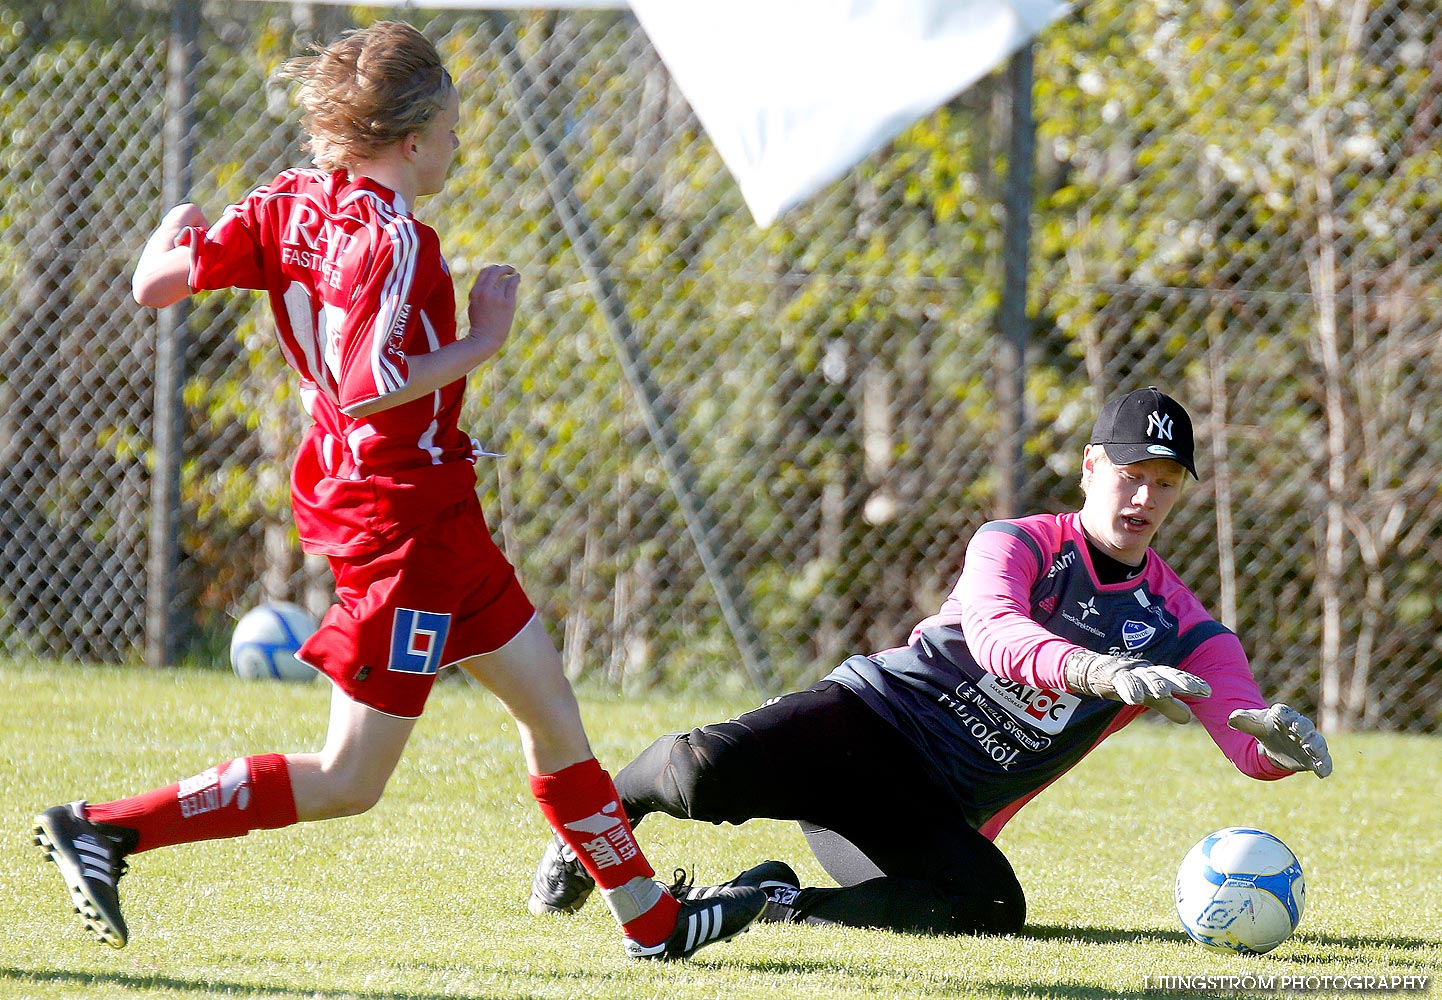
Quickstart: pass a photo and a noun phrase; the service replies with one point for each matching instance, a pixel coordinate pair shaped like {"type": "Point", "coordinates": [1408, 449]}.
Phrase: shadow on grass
{"type": "Point", "coordinates": [1425, 951]}
{"type": "Point", "coordinates": [1330, 948]}
{"type": "Point", "coordinates": [1418, 955]}
{"type": "Point", "coordinates": [1098, 935]}
{"type": "Point", "coordinates": [60, 977]}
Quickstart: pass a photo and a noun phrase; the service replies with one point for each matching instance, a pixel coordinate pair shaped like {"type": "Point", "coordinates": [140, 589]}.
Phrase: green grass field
{"type": "Point", "coordinates": [424, 897]}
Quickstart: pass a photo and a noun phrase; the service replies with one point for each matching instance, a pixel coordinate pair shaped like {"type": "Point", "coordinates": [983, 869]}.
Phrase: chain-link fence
{"type": "Point", "coordinates": [734, 456]}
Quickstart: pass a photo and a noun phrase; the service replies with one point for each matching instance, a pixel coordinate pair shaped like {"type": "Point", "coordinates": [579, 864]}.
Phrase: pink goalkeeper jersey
{"type": "Point", "coordinates": [356, 285]}
{"type": "Point", "coordinates": [979, 691]}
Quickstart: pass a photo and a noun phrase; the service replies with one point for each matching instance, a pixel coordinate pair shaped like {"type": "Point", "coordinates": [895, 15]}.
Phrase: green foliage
{"type": "Point", "coordinates": [831, 380]}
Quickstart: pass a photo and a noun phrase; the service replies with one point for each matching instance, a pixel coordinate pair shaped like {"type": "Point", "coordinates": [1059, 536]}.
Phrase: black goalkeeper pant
{"type": "Point", "coordinates": [903, 853]}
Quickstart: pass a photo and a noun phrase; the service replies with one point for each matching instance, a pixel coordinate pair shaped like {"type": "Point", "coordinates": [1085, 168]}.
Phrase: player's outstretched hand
{"type": "Point", "coordinates": [491, 307]}
{"type": "Point", "coordinates": [1134, 682]}
{"type": "Point", "coordinates": [1286, 736]}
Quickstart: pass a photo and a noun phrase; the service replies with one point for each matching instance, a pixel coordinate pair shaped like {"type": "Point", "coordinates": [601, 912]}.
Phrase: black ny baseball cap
{"type": "Point", "coordinates": [1143, 424]}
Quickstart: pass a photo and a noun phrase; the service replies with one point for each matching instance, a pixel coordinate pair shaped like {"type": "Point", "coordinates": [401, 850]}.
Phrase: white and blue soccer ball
{"type": "Point", "coordinates": [265, 641]}
{"type": "Point", "coordinates": [1240, 890]}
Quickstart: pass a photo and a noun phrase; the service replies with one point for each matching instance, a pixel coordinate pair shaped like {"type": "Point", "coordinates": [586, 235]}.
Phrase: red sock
{"type": "Point", "coordinates": [582, 806]}
{"type": "Point", "coordinates": [228, 800]}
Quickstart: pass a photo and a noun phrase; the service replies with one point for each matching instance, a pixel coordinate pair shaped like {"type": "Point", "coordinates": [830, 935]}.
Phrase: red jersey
{"type": "Point", "coordinates": [356, 285]}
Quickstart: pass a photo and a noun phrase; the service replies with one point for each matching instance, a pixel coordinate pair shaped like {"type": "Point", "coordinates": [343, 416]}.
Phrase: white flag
{"type": "Point", "coordinates": [795, 92]}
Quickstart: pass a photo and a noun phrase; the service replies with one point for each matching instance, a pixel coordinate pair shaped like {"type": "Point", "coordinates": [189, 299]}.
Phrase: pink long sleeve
{"type": "Point", "coordinates": [992, 604]}
{"type": "Point", "coordinates": [1222, 663]}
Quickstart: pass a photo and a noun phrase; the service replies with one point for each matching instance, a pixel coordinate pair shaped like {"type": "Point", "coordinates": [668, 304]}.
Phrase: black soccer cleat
{"type": "Point", "coordinates": [91, 859]}
{"type": "Point", "coordinates": [561, 883]}
{"type": "Point", "coordinates": [775, 878]}
{"type": "Point", "coordinates": [728, 911]}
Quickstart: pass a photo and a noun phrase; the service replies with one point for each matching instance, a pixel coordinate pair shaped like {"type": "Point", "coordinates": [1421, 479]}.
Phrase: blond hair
{"type": "Point", "coordinates": [369, 88]}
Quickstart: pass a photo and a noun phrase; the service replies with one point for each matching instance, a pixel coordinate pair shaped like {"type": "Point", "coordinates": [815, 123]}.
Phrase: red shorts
{"type": "Point", "coordinates": [436, 597]}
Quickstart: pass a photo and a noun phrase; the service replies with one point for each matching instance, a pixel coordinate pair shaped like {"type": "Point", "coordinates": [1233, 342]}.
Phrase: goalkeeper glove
{"type": "Point", "coordinates": [1134, 682]}
{"type": "Point", "coordinates": [1286, 737]}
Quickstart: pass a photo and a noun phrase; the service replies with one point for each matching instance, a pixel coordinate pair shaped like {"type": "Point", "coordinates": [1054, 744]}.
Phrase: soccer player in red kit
{"type": "Point", "coordinates": [384, 487]}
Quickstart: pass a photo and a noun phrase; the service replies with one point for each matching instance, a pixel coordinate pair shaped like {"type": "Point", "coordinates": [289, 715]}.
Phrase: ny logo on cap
{"type": "Point", "coordinates": [1159, 425]}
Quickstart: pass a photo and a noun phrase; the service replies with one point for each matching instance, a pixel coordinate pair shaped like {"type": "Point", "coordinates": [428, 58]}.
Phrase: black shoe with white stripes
{"type": "Point", "coordinates": [724, 914]}
{"type": "Point", "coordinates": [561, 883]}
{"type": "Point", "coordinates": [775, 878]}
{"type": "Point", "coordinates": [91, 859]}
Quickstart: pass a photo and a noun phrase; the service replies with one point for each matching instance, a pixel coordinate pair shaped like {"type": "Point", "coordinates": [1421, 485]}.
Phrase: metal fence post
{"type": "Point", "coordinates": [659, 423]}
{"type": "Point", "coordinates": [163, 633]}
{"type": "Point", "coordinates": [1013, 326]}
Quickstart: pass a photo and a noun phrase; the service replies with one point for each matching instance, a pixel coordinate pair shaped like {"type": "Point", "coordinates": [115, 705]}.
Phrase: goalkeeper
{"type": "Point", "coordinates": [903, 766]}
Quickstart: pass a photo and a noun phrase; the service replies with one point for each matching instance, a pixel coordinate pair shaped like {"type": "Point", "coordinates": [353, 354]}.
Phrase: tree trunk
{"type": "Point", "coordinates": [1322, 273]}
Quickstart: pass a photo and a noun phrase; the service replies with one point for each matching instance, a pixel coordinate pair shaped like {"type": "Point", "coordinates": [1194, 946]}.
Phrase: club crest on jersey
{"type": "Point", "coordinates": [1164, 621]}
{"type": "Point", "coordinates": [418, 641]}
{"type": "Point", "coordinates": [1137, 634]}
{"type": "Point", "coordinates": [1041, 708]}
